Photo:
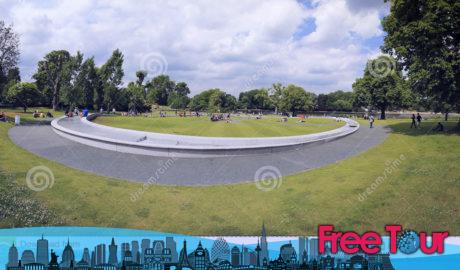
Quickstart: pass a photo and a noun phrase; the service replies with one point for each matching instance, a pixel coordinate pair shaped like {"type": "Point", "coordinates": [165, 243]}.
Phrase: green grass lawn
{"type": "Point", "coordinates": [28, 115]}
{"type": "Point", "coordinates": [238, 127]}
{"type": "Point", "coordinates": [421, 193]}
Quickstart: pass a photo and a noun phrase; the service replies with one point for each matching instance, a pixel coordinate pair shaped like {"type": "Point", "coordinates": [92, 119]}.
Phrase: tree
{"type": "Point", "coordinates": [135, 95]}
{"type": "Point", "coordinates": [296, 99]}
{"type": "Point", "coordinates": [141, 74]}
{"type": "Point", "coordinates": [424, 36]}
{"type": "Point", "coordinates": [9, 56]}
{"type": "Point", "coordinates": [276, 92]}
{"type": "Point", "coordinates": [9, 48]}
{"type": "Point", "coordinates": [72, 94]}
{"type": "Point", "coordinates": [381, 92]}
{"type": "Point", "coordinates": [178, 101]}
{"type": "Point", "coordinates": [182, 89]}
{"type": "Point", "coordinates": [335, 101]}
{"type": "Point", "coordinates": [23, 94]}
{"type": "Point", "coordinates": [88, 80]}
{"type": "Point", "coordinates": [111, 74]}
{"type": "Point", "coordinates": [54, 72]}
{"type": "Point", "coordinates": [159, 88]}
{"type": "Point", "coordinates": [11, 79]}
{"type": "Point", "coordinates": [213, 100]}
{"type": "Point", "coordinates": [255, 99]}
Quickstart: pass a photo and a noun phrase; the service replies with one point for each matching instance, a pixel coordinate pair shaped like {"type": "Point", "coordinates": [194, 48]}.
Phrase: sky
{"type": "Point", "coordinates": [234, 45]}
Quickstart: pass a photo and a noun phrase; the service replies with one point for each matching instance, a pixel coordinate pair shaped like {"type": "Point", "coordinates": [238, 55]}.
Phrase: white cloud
{"type": "Point", "coordinates": [227, 44]}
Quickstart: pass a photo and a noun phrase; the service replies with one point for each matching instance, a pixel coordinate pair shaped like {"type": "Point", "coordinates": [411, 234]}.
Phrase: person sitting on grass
{"type": "Point", "coordinates": [49, 115]}
{"type": "Point", "coordinates": [36, 114]}
{"type": "Point", "coordinates": [439, 127]}
{"type": "Point", "coordinates": [2, 117]}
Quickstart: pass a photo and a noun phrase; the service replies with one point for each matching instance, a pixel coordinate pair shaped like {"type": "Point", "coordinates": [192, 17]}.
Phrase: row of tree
{"type": "Point", "coordinates": [422, 72]}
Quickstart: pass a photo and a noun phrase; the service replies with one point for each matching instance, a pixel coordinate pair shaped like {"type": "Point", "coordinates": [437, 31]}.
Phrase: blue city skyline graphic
{"type": "Point", "coordinates": [109, 248]}
{"type": "Point", "coordinates": [165, 253]}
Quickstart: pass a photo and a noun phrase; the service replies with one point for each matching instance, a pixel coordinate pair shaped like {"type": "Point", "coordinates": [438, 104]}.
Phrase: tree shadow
{"type": "Point", "coordinates": [426, 128]}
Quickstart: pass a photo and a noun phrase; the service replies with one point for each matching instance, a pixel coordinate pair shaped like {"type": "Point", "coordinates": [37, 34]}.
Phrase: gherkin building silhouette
{"type": "Point", "coordinates": [220, 251]}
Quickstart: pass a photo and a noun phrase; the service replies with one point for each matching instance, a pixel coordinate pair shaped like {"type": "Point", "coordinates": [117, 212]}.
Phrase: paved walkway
{"type": "Point", "coordinates": [42, 141]}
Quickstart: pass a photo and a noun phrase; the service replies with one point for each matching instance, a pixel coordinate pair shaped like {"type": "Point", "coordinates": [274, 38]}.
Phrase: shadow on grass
{"type": "Point", "coordinates": [451, 128]}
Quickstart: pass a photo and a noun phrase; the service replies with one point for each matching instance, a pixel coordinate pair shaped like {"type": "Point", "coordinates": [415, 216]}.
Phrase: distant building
{"type": "Point", "coordinates": [236, 256]}
{"type": "Point", "coordinates": [27, 257]}
{"type": "Point", "coordinates": [42, 251]}
{"type": "Point", "coordinates": [68, 256]}
{"type": "Point", "coordinates": [200, 262]}
{"type": "Point", "coordinates": [171, 244]}
{"type": "Point", "coordinates": [99, 255]}
{"type": "Point", "coordinates": [220, 251]}
{"type": "Point", "coordinates": [34, 266]}
{"type": "Point", "coordinates": [113, 259]}
{"type": "Point", "coordinates": [145, 244]}
{"type": "Point", "coordinates": [135, 251]}
{"type": "Point", "coordinates": [245, 260]}
{"type": "Point", "coordinates": [86, 257]}
{"type": "Point", "coordinates": [263, 246]}
{"type": "Point", "coordinates": [288, 253]}
{"type": "Point", "coordinates": [123, 249]}
{"type": "Point", "coordinates": [13, 259]}
{"type": "Point", "coordinates": [303, 249]}
{"type": "Point", "coordinates": [313, 249]}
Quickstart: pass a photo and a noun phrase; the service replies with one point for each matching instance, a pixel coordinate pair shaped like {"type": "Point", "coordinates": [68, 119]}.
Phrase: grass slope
{"type": "Point", "coordinates": [421, 192]}
{"type": "Point", "coordinates": [239, 127]}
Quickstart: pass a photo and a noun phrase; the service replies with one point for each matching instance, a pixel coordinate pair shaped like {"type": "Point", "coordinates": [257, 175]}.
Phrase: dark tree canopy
{"type": "Point", "coordinates": [255, 99]}
{"type": "Point", "coordinates": [213, 100]}
{"type": "Point", "coordinates": [54, 73]}
{"type": "Point", "coordinates": [424, 36]}
{"type": "Point", "coordinates": [23, 94]}
{"type": "Point", "coordinates": [381, 91]}
{"type": "Point", "coordinates": [159, 88]}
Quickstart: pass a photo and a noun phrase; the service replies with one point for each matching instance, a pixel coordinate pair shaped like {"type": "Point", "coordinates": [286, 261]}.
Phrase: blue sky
{"type": "Point", "coordinates": [321, 45]}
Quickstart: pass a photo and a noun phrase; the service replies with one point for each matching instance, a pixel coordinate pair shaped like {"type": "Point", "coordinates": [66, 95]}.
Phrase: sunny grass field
{"type": "Point", "coordinates": [421, 193]}
{"type": "Point", "coordinates": [238, 127]}
{"type": "Point", "coordinates": [28, 115]}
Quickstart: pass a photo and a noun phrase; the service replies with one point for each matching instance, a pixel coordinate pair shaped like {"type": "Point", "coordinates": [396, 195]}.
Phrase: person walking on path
{"type": "Point", "coordinates": [419, 119]}
{"type": "Point", "coordinates": [371, 121]}
{"type": "Point", "coordinates": [414, 124]}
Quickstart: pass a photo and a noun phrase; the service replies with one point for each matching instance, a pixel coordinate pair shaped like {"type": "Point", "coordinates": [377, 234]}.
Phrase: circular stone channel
{"type": "Point", "coordinates": [170, 145]}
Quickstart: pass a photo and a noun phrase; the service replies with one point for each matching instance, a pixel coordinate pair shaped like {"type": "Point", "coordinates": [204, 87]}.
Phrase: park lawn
{"type": "Point", "coordinates": [421, 193]}
{"type": "Point", "coordinates": [239, 127]}
{"type": "Point", "coordinates": [28, 115]}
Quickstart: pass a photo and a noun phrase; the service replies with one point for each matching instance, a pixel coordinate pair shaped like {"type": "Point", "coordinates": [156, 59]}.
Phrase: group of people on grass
{"type": "Point", "coordinates": [416, 122]}
{"type": "Point", "coordinates": [220, 117]}
{"type": "Point", "coordinates": [37, 114]}
{"type": "Point", "coordinates": [2, 117]}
